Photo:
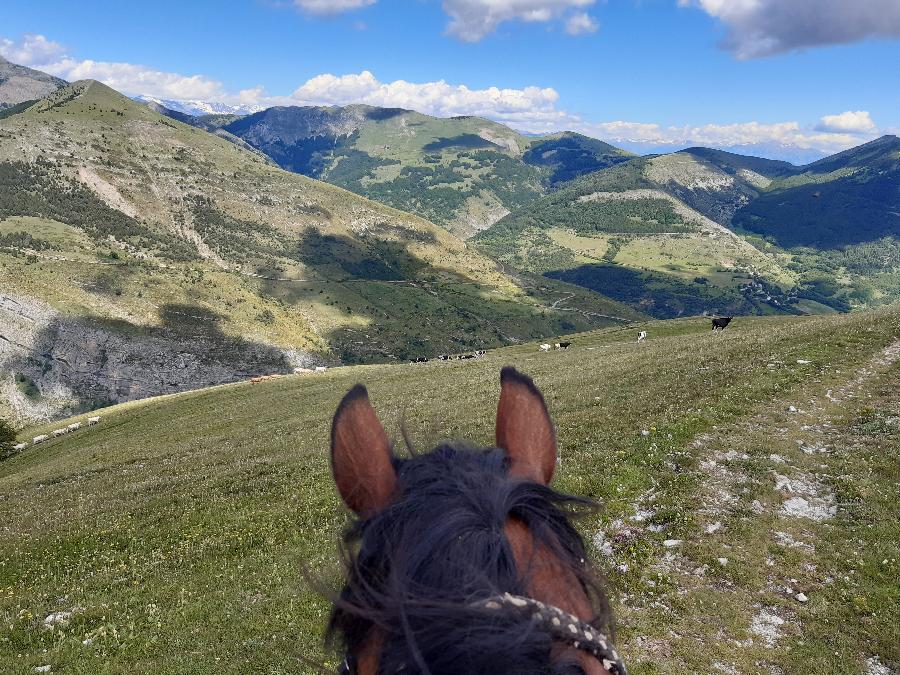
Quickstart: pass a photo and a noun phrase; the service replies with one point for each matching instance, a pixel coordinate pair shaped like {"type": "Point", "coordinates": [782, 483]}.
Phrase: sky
{"type": "Point", "coordinates": [787, 79]}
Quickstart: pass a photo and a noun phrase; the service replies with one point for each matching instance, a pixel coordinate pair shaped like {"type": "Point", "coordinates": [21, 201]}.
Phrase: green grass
{"type": "Point", "coordinates": [182, 528]}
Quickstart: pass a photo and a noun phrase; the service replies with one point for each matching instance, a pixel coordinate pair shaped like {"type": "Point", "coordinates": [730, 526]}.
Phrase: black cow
{"type": "Point", "coordinates": [565, 345]}
{"type": "Point", "coordinates": [420, 359]}
{"type": "Point", "coordinates": [719, 324]}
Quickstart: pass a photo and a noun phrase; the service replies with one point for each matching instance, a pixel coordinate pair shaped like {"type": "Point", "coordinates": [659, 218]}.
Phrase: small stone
{"type": "Point", "coordinates": [672, 543]}
{"type": "Point", "coordinates": [801, 597]}
{"type": "Point", "coordinates": [723, 561]}
{"type": "Point", "coordinates": [644, 432]}
{"type": "Point", "coordinates": [792, 408]}
{"type": "Point", "coordinates": [42, 669]}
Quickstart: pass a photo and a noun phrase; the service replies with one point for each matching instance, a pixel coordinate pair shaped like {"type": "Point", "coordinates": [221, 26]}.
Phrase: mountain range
{"type": "Point", "coordinates": [196, 108]}
{"type": "Point", "coordinates": [462, 172]}
{"type": "Point", "coordinates": [140, 255]}
{"type": "Point", "coordinates": [147, 250]}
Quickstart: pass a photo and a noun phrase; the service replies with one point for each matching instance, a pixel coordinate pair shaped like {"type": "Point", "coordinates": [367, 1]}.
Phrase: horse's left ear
{"type": "Point", "coordinates": [361, 457]}
{"type": "Point", "coordinates": [524, 428]}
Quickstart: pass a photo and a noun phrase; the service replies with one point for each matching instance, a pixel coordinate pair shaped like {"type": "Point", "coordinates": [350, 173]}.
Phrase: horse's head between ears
{"type": "Point", "coordinates": [463, 560]}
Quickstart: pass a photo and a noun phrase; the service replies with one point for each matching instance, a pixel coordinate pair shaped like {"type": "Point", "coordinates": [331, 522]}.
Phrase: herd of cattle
{"type": "Point", "coordinates": [56, 433]}
{"type": "Point", "coordinates": [719, 323]}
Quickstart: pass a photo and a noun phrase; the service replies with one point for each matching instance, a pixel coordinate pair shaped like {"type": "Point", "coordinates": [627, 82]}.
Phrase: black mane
{"type": "Point", "coordinates": [415, 569]}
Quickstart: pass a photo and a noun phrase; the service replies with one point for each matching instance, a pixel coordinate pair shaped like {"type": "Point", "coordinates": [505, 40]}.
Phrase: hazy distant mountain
{"type": "Point", "coordinates": [462, 172]}
{"type": "Point", "coordinates": [19, 84]}
{"type": "Point", "coordinates": [197, 108]}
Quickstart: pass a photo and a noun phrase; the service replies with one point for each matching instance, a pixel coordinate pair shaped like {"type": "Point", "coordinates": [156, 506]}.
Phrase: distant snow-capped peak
{"type": "Point", "coordinates": [197, 108]}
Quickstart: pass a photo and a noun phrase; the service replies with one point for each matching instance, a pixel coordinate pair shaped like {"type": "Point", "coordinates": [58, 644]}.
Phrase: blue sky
{"type": "Point", "coordinates": [751, 75]}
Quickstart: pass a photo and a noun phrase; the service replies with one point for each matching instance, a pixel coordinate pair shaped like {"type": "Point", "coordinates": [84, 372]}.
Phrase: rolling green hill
{"type": "Point", "coordinates": [735, 471]}
{"type": "Point", "coordinates": [706, 230]}
{"type": "Point", "coordinates": [463, 173]}
{"type": "Point", "coordinates": [140, 255]}
{"type": "Point", "coordinates": [846, 199]}
{"type": "Point", "coordinates": [644, 232]}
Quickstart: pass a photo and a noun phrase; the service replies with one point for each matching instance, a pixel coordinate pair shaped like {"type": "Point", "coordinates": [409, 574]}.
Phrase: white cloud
{"type": "Point", "coordinates": [434, 98]}
{"type": "Point", "coordinates": [765, 27]}
{"type": "Point", "coordinates": [136, 79]}
{"type": "Point", "coordinates": [784, 140]}
{"type": "Point", "coordinates": [851, 122]}
{"type": "Point", "coordinates": [31, 49]}
{"type": "Point", "coordinates": [529, 109]}
{"type": "Point", "coordinates": [581, 23]}
{"type": "Point", "coordinates": [37, 51]}
{"type": "Point", "coordinates": [322, 7]}
{"type": "Point", "coordinates": [472, 20]}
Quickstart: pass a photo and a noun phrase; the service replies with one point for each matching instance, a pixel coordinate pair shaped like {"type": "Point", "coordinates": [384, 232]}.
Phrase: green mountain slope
{"type": "Point", "coordinates": [179, 531]}
{"type": "Point", "coordinates": [463, 172]}
{"type": "Point", "coordinates": [19, 84]}
{"type": "Point", "coordinates": [645, 232]}
{"type": "Point", "coordinates": [139, 255]}
{"type": "Point", "coordinates": [848, 198]}
{"type": "Point", "coordinates": [815, 238]}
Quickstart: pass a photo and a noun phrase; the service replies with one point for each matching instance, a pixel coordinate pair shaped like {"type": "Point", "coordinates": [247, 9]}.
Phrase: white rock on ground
{"type": "Point", "coordinates": [57, 619]}
{"type": "Point", "coordinates": [766, 625]}
{"type": "Point", "coordinates": [874, 666]}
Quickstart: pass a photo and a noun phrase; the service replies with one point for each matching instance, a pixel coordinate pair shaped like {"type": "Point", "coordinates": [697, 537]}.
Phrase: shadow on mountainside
{"type": "Point", "coordinates": [659, 295]}
{"type": "Point", "coordinates": [384, 303]}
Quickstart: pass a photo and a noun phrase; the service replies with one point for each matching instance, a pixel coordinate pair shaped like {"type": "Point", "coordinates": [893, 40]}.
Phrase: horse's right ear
{"type": "Point", "coordinates": [524, 428]}
{"type": "Point", "coordinates": [361, 457]}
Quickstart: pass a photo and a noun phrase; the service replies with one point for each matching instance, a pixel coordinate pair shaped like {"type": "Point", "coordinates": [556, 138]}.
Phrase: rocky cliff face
{"type": "Point", "coordinates": [701, 185]}
{"type": "Point", "coordinates": [52, 366]}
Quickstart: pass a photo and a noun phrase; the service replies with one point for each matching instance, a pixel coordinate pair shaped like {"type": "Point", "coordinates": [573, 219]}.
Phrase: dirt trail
{"type": "Point", "coordinates": [763, 495]}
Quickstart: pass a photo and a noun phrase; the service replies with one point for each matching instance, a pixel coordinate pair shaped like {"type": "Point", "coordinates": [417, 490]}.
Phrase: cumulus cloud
{"type": "Point", "coordinates": [850, 122]}
{"type": "Point", "coordinates": [531, 104]}
{"type": "Point", "coordinates": [581, 23]}
{"type": "Point", "coordinates": [472, 20]}
{"type": "Point", "coordinates": [31, 49]}
{"type": "Point", "coordinates": [766, 27]}
{"type": "Point", "coordinates": [784, 140]}
{"type": "Point", "coordinates": [529, 109]}
{"type": "Point", "coordinates": [36, 51]}
{"type": "Point", "coordinates": [323, 7]}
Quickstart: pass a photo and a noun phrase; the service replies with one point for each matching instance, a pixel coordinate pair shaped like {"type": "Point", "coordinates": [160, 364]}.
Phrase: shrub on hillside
{"type": "Point", "coordinates": [7, 438]}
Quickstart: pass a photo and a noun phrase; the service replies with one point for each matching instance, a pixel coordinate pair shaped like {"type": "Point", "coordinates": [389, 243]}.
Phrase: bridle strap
{"type": "Point", "coordinates": [562, 626]}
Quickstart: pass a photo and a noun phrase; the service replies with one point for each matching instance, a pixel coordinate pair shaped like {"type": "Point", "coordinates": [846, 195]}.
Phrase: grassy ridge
{"type": "Point", "coordinates": [178, 529]}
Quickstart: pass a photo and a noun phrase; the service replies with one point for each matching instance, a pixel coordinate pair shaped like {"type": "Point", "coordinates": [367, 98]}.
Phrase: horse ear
{"type": "Point", "coordinates": [524, 428]}
{"type": "Point", "coordinates": [361, 457]}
